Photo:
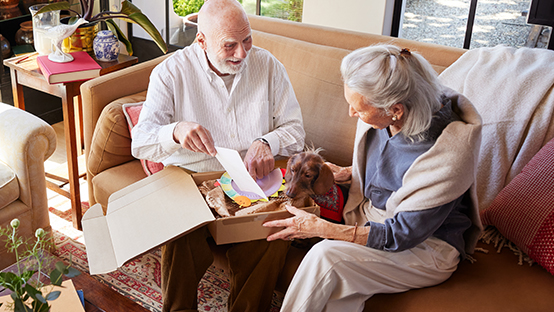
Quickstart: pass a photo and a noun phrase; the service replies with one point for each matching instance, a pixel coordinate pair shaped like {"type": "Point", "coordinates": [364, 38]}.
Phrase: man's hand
{"type": "Point", "coordinates": [194, 137]}
{"type": "Point", "coordinates": [258, 160]}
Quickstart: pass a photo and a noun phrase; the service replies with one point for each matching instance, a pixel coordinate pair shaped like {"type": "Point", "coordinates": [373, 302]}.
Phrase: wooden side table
{"type": "Point", "coordinates": [27, 73]}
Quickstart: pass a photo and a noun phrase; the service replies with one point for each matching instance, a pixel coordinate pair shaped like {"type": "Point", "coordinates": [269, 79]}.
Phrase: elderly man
{"type": "Point", "coordinates": [220, 91]}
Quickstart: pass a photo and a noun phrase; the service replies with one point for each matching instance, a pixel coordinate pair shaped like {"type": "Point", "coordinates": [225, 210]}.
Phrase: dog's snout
{"type": "Point", "coordinates": [290, 193]}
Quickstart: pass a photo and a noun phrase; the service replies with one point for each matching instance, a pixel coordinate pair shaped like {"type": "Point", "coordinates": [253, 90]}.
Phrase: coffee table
{"type": "Point", "coordinates": [25, 72]}
{"type": "Point", "coordinates": [98, 296]}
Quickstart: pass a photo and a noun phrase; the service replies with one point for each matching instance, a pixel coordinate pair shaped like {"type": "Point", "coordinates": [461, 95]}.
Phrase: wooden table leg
{"type": "Point", "coordinates": [17, 90]}
{"type": "Point", "coordinates": [72, 163]}
{"type": "Point", "coordinates": [81, 146]}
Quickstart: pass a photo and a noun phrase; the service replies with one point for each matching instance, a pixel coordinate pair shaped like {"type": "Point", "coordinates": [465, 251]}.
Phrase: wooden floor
{"type": "Point", "coordinates": [57, 165]}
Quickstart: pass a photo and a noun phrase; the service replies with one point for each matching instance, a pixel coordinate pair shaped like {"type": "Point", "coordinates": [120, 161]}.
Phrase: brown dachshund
{"type": "Point", "coordinates": [308, 175]}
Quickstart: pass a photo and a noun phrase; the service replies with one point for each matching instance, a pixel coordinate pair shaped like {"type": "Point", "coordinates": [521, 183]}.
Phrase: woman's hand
{"type": "Point", "coordinates": [302, 225]}
{"type": "Point", "coordinates": [307, 225]}
{"type": "Point", "coordinates": [341, 174]}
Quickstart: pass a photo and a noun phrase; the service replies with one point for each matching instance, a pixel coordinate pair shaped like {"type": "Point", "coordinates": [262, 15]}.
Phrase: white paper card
{"type": "Point", "coordinates": [233, 164]}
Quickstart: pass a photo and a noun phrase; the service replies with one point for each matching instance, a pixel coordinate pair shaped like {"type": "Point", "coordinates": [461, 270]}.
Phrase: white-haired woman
{"type": "Point", "coordinates": [411, 214]}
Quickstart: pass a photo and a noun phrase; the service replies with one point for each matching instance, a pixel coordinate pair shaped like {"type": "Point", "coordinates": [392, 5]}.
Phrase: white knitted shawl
{"type": "Point", "coordinates": [440, 175]}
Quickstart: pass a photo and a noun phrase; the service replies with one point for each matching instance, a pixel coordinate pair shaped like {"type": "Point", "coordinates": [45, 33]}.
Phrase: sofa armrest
{"type": "Point", "coordinates": [27, 141]}
{"type": "Point", "coordinates": [99, 92]}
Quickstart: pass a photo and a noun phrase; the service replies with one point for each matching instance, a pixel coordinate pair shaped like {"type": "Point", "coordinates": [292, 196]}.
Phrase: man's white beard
{"type": "Point", "coordinates": [223, 66]}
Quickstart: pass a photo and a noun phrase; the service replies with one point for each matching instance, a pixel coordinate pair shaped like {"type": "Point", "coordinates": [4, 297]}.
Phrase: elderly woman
{"type": "Point", "coordinates": [413, 188]}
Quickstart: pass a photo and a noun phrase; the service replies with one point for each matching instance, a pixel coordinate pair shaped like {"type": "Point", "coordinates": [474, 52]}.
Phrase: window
{"type": "Point", "coordinates": [284, 9]}
{"type": "Point", "coordinates": [471, 23]}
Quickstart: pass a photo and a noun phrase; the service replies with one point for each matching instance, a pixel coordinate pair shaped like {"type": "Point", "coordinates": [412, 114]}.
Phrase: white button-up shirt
{"type": "Point", "coordinates": [260, 104]}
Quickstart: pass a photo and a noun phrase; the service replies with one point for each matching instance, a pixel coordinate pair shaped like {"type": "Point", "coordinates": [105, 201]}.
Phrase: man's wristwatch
{"type": "Point", "coordinates": [262, 140]}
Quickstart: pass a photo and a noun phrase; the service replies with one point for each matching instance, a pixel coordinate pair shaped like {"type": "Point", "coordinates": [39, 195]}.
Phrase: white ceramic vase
{"type": "Point", "coordinates": [106, 46]}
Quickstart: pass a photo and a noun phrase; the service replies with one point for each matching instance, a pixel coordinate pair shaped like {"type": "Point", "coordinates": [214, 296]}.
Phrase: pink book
{"type": "Point", "coordinates": [83, 67]}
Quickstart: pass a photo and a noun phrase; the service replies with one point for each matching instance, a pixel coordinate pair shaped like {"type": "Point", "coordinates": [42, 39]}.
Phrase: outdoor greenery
{"type": "Point", "coordinates": [186, 7]}
{"type": "Point", "coordinates": [31, 261]}
{"type": "Point", "coordinates": [284, 9]}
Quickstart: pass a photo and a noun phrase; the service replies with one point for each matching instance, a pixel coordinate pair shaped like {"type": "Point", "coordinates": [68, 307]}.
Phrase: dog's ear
{"type": "Point", "coordinates": [324, 181]}
{"type": "Point", "coordinates": [288, 172]}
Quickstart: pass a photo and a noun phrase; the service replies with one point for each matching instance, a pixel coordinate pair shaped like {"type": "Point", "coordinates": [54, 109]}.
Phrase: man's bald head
{"type": "Point", "coordinates": [218, 14]}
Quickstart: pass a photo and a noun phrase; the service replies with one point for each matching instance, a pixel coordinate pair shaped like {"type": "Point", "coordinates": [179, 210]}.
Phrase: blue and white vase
{"type": "Point", "coordinates": [106, 46]}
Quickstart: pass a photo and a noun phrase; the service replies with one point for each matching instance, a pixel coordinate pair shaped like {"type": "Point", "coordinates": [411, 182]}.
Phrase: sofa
{"type": "Point", "coordinates": [26, 142]}
{"type": "Point", "coordinates": [494, 279]}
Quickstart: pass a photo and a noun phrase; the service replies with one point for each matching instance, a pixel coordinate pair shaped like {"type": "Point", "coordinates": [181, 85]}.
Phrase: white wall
{"type": "Point", "coordinates": [155, 11]}
{"type": "Point", "coordinates": [369, 16]}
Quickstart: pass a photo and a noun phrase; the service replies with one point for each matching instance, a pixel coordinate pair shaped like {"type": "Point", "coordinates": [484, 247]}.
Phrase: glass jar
{"type": "Point", "coordinates": [41, 23]}
{"type": "Point", "coordinates": [24, 34]}
{"type": "Point", "coordinates": [5, 48]}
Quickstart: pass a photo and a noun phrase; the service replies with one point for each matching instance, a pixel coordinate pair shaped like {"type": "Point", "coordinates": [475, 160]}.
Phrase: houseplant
{"type": "Point", "coordinates": [129, 13]}
{"type": "Point", "coordinates": [28, 291]}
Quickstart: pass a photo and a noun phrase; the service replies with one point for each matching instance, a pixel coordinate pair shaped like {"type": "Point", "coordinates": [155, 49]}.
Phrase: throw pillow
{"type": "Point", "coordinates": [132, 112]}
{"type": "Point", "coordinates": [524, 210]}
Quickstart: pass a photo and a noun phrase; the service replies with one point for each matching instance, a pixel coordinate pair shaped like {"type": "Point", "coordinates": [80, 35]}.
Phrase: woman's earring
{"type": "Point", "coordinates": [394, 118]}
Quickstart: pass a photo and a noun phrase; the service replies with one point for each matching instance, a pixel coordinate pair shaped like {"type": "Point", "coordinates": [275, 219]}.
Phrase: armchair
{"type": "Point", "coordinates": [26, 142]}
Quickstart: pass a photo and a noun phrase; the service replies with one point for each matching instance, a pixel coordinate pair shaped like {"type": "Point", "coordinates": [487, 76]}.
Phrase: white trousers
{"type": "Point", "coordinates": [341, 276]}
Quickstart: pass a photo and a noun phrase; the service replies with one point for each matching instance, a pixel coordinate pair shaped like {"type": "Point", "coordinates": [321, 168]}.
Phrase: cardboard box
{"type": "Point", "coordinates": [160, 208]}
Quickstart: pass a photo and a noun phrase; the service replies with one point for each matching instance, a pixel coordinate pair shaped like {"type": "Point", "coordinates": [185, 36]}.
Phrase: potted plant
{"type": "Point", "coordinates": [28, 291]}
{"type": "Point", "coordinates": [128, 12]}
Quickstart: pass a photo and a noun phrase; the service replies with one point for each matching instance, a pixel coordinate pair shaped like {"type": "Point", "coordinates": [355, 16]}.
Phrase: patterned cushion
{"type": "Point", "coordinates": [132, 112]}
{"type": "Point", "coordinates": [9, 186]}
{"type": "Point", "coordinates": [524, 210]}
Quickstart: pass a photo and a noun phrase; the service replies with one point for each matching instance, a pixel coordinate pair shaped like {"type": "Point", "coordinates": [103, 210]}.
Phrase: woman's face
{"type": "Point", "coordinates": [366, 112]}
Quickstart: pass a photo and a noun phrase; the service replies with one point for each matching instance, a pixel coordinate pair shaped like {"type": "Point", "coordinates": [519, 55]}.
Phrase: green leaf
{"type": "Point", "coordinates": [40, 298]}
{"type": "Point", "coordinates": [25, 276]}
{"type": "Point", "coordinates": [56, 277]}
{"type": "Point", "coordinates": [120, 35]}
{"type": "Point", "coordinates": [8, 276]}
{"type": "Point", "coordinates": [72, 272]}
{"type": "Point", "coordinates": [55, 7]}
{"type": "Point", "coordinates": [53, 295]}
{"type": "Point", "coordinates": [19, 306]}
{"type": "Point", "coordinates": [60, 266]}
{"type": "Point", "coordinates": [72, 20]}
{"type": "Point", "coordinates": [128, 8]}
{"type": "Point", "coordinates": [32, 291]}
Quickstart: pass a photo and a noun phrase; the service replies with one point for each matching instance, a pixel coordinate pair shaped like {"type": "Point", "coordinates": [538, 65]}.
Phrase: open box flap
{"type": "Point", "coordinates": [143, 216]}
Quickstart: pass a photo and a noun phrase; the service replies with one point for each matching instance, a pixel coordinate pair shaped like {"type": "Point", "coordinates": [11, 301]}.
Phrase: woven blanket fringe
{"type": "Point", "coordinates": [492, 235]}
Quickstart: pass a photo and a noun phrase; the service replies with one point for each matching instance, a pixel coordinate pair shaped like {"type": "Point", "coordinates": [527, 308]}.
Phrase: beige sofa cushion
{"type": "Point", "coordinates": [111, 141]}
{"type": "Point", "coordinates": [9, 186]}
{"type": "Point", "coordinates": [314, 71]}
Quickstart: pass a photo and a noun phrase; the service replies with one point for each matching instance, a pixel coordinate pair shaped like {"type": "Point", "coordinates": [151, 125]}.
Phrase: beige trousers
{"type": "Point", "coordinates": [341, 276]}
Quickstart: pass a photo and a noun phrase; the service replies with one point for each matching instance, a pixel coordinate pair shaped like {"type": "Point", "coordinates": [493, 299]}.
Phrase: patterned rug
{"type": "Point", "coordinates": [140, 279]}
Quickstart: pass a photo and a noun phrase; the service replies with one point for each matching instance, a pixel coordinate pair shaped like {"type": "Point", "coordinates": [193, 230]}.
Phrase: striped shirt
{"type": "Point", "coordinates": [260, 104]}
